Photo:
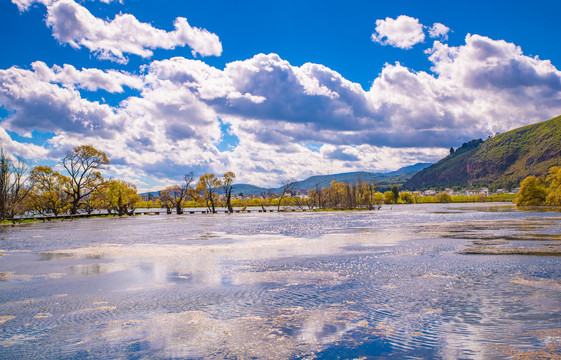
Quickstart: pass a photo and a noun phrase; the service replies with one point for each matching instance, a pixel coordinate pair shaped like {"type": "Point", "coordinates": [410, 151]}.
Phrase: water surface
{"type": "Point", "coordinates": [392, 283]}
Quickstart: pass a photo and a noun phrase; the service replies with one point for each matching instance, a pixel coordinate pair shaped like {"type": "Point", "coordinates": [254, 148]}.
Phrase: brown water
{"type": "Point", "coordinates": [382, 284]}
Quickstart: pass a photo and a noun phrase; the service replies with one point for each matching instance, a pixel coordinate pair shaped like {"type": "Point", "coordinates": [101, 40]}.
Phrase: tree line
{"type": "Point", "coordinates": [80, 187]}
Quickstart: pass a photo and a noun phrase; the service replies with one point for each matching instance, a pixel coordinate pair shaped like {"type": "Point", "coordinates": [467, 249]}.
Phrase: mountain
{"type": "Point", "coordinates": [411, 168]}
{"type": "Point", "coordinates": [384, 181]}
{"type": "Point", "coordinates": [502, 161]}
{"type": "Point", "coordinates": [247, 189]}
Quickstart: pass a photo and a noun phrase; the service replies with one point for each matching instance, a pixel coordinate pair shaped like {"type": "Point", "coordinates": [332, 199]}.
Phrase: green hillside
{"type": "Point", "coordinates": [499, 162]}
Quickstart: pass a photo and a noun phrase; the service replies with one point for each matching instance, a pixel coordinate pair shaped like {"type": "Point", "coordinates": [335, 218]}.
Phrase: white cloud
{"type": "Point", "coordinates": [73, 24]}
{"type": "Point", "coordinates": [41, 105]}
{"type": "Point", "coordinates": [438, 30]}
{"type": "Point", "coordinates": [89, 79]}
{"type": "Point", "coordinates": [496, 83]}
{"type": "Point", "coordinates": [277, 109]}
{"type": "Point", "coordinates": [403, 32]}
{"type": "Point", "coordinates": [27, 151]}
{"type": "Point", "coordinates": [23, 5]}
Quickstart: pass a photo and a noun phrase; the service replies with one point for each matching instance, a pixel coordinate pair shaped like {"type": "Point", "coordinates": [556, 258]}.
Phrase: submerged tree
{"type": "Point", "coordinates": [121, 197]}
{"type": "Point", "coordinates": [227, 187]}
{"type": "Point", "coordinates": [12, 186]}
{"type": "Point", "coordinates": [287, 187]}
{"type": "Point", "coordinates": [167, 200]}
{"type": "Point", "coordinates": [175, 195]}
{"type": "Point", "coordinates": [48, 191]}
{"type": "Point", "coordinates": [83, 164]}
{"type": "Point", "coordinates": [97, 200]}
{"type": "Point", "coordinates": [208, 186]}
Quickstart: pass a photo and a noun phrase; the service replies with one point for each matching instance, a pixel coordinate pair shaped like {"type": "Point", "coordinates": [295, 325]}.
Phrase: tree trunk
{"type": "Point", "coordinates": [74, 208]}
{"type": "Point", "coordinates": [229, 203]}
{"type": "Point", "coordinates": [212, 204]}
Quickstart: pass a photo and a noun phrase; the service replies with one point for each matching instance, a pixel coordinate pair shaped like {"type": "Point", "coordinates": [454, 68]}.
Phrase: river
{"type": "Point", "coordinates": [395, 283]}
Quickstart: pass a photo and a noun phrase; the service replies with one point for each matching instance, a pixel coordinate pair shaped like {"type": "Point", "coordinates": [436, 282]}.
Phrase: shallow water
{"type": "Point", "coordinates": [383, 284]}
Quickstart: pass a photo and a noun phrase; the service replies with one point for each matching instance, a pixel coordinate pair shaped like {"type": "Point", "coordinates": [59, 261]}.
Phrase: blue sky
{"type": "Point", "coordinates": [270, 90]}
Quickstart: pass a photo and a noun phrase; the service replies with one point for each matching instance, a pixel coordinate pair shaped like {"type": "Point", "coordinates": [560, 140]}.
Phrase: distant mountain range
{"type": "Point", "coordinates": [384, 181]}
{"type": "Point", "coordinates": [502, 161]}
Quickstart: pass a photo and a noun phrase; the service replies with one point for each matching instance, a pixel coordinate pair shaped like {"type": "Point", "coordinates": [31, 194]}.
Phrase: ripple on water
{"type": "Point", "coordinates": [326, 285]}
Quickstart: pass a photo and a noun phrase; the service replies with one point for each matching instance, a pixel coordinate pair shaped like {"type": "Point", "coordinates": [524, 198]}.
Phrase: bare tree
{"type": "Point", "coordinates": [287, 187]}
{"type": "Point", "coordinates": [266, 198]}
{"type": "Point", "coordinates": [12, 186]}
{"type": "Point", "coordinates": [319, 194]}
{"type": "Point", "coordinates": [176, 194]}
{"type": "Point", "coordinates": [83, 164]}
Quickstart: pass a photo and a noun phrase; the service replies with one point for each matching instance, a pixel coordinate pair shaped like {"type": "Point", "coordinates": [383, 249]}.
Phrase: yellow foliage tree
{"type": "Point", "coordinates": [208, 185]}
{"type": "Point", "coordinates": [83, 164]}
{"type": "Point", "coordinates": [532, 192]}
{"type": "Point", "coordinates": [47, 191]}
{"type": "Point", "coordinates": [443, 197]}
{"type": "Point", "coordinates": [389, 197]}
{"type": "Point", "coordinates": [554, 186]}
{"type": "Point", "coordinates": [406, 198]}
{"type": "Point", "coordinates": [122, 197]}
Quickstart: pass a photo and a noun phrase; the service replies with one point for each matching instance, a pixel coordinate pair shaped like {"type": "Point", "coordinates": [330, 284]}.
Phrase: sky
{"type": "Point", "coordinates": [270, 90]}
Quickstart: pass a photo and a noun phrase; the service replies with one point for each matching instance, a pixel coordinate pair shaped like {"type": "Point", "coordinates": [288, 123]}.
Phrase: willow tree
{"type": "Point", "coordinates": [227, 187]}
{"type": "Point", "coordinates": [83, 164]}
{"type": "Point", "coordinates": [554, 186]}
{"type": "Point", "coordinates": [208, 185]}
{"type": "Point", "coordinates": [48, 194]}
{"type": "Point", "coordinates": [122, 197]}
{"type": "Point", "coordinates": [532, 192]}
{"type": "Point", "coordinates": [167, 200]}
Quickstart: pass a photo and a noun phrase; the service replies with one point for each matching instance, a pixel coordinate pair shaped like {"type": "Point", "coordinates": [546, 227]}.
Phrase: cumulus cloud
{"type": "Point", "coordinates": [403, 32]}
{"type": "Point", "coordinates": [506, 88]}
{"type": "Point", "coordinates": [41, 105]}
{"type": "Point", "coordinates": [438, 30]}
{"type": "Point", "coordinates": [73, 24]}
{"type": "Point", "coordinates": [277, 109]}
{"type": "Point", "coordinates": [27, 151]}
{"type": "Point", "coordinates": [89, 79]}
